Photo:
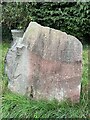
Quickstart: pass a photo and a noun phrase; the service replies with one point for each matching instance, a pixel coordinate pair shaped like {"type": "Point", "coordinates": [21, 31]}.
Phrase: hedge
{"type": "Point", "coordinates": [71, 17]}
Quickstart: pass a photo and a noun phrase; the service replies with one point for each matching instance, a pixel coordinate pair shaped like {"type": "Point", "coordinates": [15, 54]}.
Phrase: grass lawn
{"type": "Point", "coordinates": [16, 106]}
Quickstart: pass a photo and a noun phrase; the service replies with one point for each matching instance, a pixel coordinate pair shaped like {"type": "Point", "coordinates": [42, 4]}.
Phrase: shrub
{"type": "Point", "coordinates": [72, 18]}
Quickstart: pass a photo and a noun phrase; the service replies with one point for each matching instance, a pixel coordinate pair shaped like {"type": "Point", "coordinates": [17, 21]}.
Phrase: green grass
{"type": "Point", "coordinates": [16, 106]}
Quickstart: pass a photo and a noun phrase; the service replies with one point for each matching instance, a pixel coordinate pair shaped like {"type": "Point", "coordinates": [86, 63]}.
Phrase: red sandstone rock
{"type": "Point", "coordinates": [45, 64]}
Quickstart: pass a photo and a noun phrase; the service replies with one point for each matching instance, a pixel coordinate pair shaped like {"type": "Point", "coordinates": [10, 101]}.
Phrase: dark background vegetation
{"type": "Point", "coordinates": [71, 17]}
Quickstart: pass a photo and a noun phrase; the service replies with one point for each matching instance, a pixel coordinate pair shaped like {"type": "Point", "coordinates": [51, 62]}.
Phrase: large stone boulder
{"type": "Point", "coordinates": [45, 64]}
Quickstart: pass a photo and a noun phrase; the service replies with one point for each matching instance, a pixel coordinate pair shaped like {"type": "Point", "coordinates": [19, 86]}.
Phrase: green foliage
{"type": "Point", "coordinates": [14, 15]}
{"type": "Point", "coordinates": [3, 78]}
{"type": "Point", "coordinates": [16, 106]}
{"type": "Point", "coordinates": [71, 17]}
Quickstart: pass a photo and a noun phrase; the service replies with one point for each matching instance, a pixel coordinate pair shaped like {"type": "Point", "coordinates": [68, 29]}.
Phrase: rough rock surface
{"type": "Point", "coordinates": [46, 63]}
